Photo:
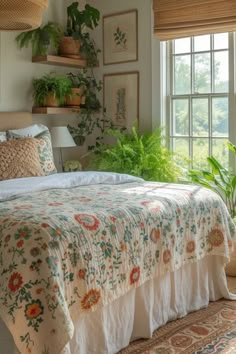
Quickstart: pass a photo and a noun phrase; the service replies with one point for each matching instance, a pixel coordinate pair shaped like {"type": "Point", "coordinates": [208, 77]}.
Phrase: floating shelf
{"type": "Point", "coordinates": [61, 61]}
{"type": "Point", "coordinates": [55, 110]}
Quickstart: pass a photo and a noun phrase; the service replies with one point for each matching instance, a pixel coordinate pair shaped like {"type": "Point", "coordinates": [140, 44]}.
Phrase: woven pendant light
{"type": "Point", "coordinates": [21, 15]}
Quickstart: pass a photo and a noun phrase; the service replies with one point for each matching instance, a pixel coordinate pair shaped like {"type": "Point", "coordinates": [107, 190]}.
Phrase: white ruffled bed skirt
{"type": "Point", "coordinates": [142, 310]}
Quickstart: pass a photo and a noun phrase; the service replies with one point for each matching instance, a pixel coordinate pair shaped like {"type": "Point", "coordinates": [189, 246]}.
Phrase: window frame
{"type": "Point", "coordinates": [167, 121]}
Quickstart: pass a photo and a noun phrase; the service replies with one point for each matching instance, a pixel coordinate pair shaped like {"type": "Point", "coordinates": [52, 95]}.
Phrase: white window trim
{"type": "Point", "coordinates": [165, 57]}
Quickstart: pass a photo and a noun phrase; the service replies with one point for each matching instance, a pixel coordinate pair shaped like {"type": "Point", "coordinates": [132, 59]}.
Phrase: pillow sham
{"type": "Point", "coordinates": [19, 158]}
{"type": "Point", "coordinates": [3, 136]}
{"type": "Point", "coordinates": [43, 136]}
{"type": "Point", "coordinates": [30, 131]}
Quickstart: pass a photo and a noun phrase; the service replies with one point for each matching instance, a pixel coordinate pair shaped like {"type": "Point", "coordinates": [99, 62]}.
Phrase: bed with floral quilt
{"type": "Point", "coordinates": [75, 247]}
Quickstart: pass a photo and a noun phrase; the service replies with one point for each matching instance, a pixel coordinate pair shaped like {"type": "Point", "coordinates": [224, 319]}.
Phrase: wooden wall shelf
{"type": "Point", "coordinates": [61, 61]}
{"type": "Point", "coordinates": [55, 110]}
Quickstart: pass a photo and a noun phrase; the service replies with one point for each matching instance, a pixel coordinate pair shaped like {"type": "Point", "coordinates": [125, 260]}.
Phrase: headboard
{"type": "Point", "coordinates": [14, 120]}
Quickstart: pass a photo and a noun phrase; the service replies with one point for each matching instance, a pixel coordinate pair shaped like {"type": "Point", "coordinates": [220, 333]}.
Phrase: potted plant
{"type": "Point", "coordinates": [142, 155]}
{"type": "Point", "coordinates": [51, 90]}
{"type": "Point", "coordinates": [41, 38]}
{"type": "Point", "coordinates": [88, 122]}
{"type": "Point", "coordinates": [78, 84]}
{"type": "Point", "coordinates": [222, 181]}
{"type": "Point", "coordinates": [76, 36]}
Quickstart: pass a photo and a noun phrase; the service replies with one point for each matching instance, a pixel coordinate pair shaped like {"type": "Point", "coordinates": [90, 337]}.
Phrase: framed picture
{"type": "Point", "coordinates": [121, 98]}
{"type": "Point", "coordinates": [120, 37]}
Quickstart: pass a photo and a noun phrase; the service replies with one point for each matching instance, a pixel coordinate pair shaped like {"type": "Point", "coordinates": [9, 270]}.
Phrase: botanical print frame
{"type": "Point", "coordinates": [120, 37]}
{"type": "Point", "coordinates": [121, 98]}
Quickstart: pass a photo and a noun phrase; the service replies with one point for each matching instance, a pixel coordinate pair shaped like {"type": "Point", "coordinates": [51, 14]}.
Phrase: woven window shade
{"type": "Point", "coordinates": [175, 19]}
{"type": "Point", "coordinates": [21, 15]}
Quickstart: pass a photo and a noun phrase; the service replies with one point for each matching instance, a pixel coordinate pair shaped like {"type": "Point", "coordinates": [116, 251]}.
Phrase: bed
{"type": "Point", "coordinates": [90, 261]}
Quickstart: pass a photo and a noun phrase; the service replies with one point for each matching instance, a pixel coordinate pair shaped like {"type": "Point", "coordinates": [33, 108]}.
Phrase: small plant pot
{"type": "Point", "coordinates": [79, 140]}
{"type": "Point", "coordinates": [69, 47]}
{"type": "Point", "coordinates": [76, 97]}
{"type": "Point", "coordinates": [51, 101]}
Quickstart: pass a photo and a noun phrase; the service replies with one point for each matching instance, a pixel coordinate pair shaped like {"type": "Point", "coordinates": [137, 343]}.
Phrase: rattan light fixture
{"type": "Point", "coordinates": [21, 15]}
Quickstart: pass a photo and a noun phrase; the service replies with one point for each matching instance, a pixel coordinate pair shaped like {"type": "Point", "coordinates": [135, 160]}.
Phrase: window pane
{"type": "Point", "coordinates": [202, 73]}
{"type": "Point", "coordinates": [221, 41]}
{"type": "Point", "coordinates": [221, 71]}
{"type": "Point", "coordinates": [182, 45]}
{"type": "Point", "coordinates": [182, 75]}
{"type": "Point", "coordinates": [202, 43]}
{"type": "Point", "coordinates": [200, 117]}
{"type": "Point", "coordinates": [200, 152]}
{"type": "Point", "coordinates": [181, 148]}
{"type": "Point", "coordinates": [180, 117]}
{"type": "Point", "coordinates": [220, 151]}
{"type": "Point", "coordinates": [220, 116]}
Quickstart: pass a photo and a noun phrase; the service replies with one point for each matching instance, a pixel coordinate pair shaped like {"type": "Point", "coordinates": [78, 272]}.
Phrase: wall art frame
{"type": "Point", "coordinates": [120, 37]}
{"type": "Point", "coordinates": [121, 98]}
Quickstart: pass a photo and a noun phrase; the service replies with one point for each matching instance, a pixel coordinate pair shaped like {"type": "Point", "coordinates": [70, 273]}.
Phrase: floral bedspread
{"type": "Point", "coordinates": [65, 252]}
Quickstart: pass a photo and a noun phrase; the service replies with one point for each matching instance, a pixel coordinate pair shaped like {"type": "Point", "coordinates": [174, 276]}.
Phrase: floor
{"type": "Point", "coordinates": [232, 284]}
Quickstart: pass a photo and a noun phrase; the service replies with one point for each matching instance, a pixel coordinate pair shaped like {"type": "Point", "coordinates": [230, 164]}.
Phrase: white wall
{"type": "Point", "coordinates": [17, 72]}
{"type": "Point", "coordinates": [145, 55]}
{"type": "Point", "coordinates": [16, 69]}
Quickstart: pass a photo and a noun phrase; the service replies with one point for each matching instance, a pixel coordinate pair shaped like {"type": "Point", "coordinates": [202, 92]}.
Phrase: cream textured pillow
{"type": "Point", "coordinates": [19, 158]}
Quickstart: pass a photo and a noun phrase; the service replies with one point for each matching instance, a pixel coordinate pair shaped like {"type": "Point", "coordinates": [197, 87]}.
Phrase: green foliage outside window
{"type": "Point", "coordinates": [200, 107]}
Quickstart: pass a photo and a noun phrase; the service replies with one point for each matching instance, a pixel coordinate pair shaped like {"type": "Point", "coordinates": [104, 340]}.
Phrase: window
{"type": "Point", "coordinates": [199, 97]}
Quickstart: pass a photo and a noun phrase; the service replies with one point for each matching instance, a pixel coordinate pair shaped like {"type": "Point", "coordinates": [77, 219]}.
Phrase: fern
{"type": "Point", "coordinates": [140, 155]}
{"type": "Point", "coordinates": [41, 38]}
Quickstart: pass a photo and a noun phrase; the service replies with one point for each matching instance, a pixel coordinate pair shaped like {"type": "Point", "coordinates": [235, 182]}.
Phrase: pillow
{"type": "Point", "coordinates": [30, 131]}
{"type": "Point", "coordinates": [42, 134]}
{"type": "Point", "coordinates": [3, 136]}
{"type": "Point", "coordinates": [19, 158]}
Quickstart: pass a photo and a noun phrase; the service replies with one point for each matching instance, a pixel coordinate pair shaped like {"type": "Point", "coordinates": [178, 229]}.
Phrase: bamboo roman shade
{"type": "Point", "coordinates": [21, 15]}
{"type": "Point", "coordinates": [185, 18]}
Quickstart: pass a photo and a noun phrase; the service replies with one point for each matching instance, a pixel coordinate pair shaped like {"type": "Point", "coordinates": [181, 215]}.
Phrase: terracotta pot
{"type": "Point", "coordinates": [69, 47]}
{"type": "Point", "coordinates": [51, 101]}
{"type": "Point", "coordinates": [230, 268]}
{"type": "Point", "coordinates": [76, 98]}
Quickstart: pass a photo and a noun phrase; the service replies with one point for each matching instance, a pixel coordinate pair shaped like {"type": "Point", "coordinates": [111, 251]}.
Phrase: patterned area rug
{"type": "Point", "coordinates": [210, 330]}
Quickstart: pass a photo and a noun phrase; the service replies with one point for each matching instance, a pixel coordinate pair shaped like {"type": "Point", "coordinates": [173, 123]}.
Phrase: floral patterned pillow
{"type": "Point", "coordinates": [3, 136]}
{"type": "Point", "coordinates": [43, 136]}
{"type": "Point", "coordinates": [46, 153]}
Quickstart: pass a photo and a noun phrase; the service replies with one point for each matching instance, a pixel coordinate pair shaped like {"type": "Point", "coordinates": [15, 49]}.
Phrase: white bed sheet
{"type": "Point", "coordinates": [142, 310]}
{"type": "Point", "coordinates": [19, 186]}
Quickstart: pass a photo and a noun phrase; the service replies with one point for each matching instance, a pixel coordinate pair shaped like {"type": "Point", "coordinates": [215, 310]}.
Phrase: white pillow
{"type": "Point", "coordinates": [3, 136]}
{"type": "Point", "coordinates": [30, 131]}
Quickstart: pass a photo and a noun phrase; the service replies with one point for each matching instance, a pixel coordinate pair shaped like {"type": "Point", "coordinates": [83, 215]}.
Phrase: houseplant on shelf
{"type": "Point", "coordinates": [222, 181]}
{"type": "Point", "coordinates": [77, 41]}
{"type": "Point", "coordinates": [78, 84]}
{"type": "Point", "coordinates": [41, 38]}
{"type": "Point", "coordinates": [142, 155]}
{"type": "Point", "coordinates": [89, 115]}
{"type": "Point", "coordinates": [51, 90]}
